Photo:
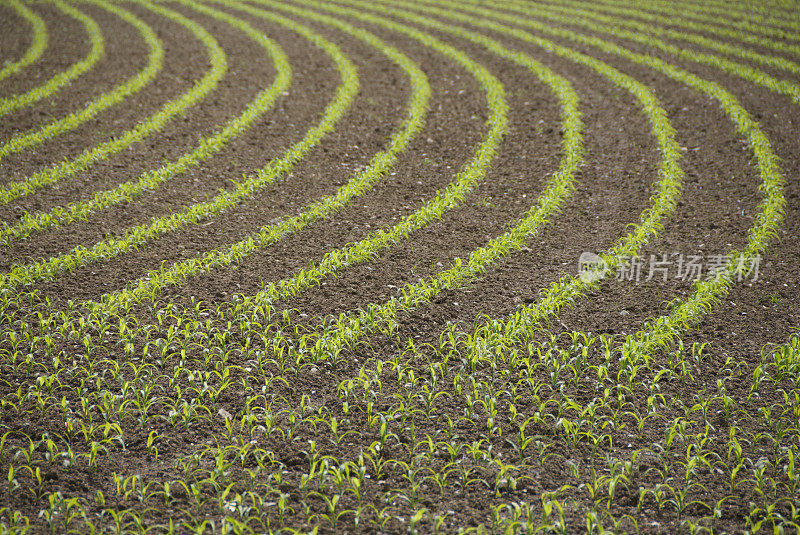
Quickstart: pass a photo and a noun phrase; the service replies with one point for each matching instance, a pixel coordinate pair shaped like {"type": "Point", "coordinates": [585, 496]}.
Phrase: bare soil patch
{"type": "Point", "coordinates": [301, 414]}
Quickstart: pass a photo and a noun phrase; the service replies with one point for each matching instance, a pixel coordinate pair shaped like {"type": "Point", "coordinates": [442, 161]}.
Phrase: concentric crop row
{"type": "Point", "coordinates": [349, 422]}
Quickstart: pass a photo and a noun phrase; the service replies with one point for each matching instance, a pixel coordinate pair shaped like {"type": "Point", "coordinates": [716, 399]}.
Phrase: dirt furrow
{"type": "Point", "coordinates": [17, 37]}
{"type": "Point", "coordinates": [250, 70]}
{"type": "Point", "coordinates": [527, 158]}
{"type": "Point", "coordinates": [381, 100]}
{"type": "Point", "coordinates": [62, 51]}
{"type": "Point", "coordinates": [596, 219]}
{"type": "Point", "coordinates": [125, 53]}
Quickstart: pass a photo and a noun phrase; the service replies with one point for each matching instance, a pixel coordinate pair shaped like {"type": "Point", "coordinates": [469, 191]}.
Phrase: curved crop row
{"type": "Point", "coordinates": [445, 200]}
{"type": "Point", "coordinates": [151, 180]}
{"type": "Point", "coordinates": [751, 74]}
{"type": "Point", "coordinates": [721, 31]}
{"type": "Point", "coordinates": [661, 332]}
{"type": "Point", "coordinates": [670, 9]}
{"type": "Point", "coordinates": [559, 186]}
{"type": "Point", "coordinates": [60, 171]}
{"type": "Point", "coordinates": [336, 109]}
{"type": "Point", "coordinates": [38, 41]}
{"type": "Point", "coordinates": [155, 59]}
{"type": "Point", "coordinates": [640, 30]}
{"type": "Point", "coordinates": [181, 417]}
{"type": "Point", "coordinates": [9, 104]}
{"type": "Point", "coordinates": [781, 9]}
{"type": "Point", "coordinates": [740, 17]}
{"type": "Point", "coordinates": [558, 190]}
{"type": "Point", "coordinates": [412, 294]}
{"type": "Point", "coordinates": [768, 218]}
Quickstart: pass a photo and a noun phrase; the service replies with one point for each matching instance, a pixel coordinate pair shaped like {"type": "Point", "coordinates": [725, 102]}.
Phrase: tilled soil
{"type": "Point", "coordinates": [287, 460]}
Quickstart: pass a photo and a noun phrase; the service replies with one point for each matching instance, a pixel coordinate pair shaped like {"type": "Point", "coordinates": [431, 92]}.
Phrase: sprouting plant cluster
{"type": "Point", "coordinates": [155, 61]}
{"type": "Point", "coordinates": [40, 39]}
{"type": "Point", "coordinates": [57, 172]}
{"type": "Point", "coordinates": [143, 412]}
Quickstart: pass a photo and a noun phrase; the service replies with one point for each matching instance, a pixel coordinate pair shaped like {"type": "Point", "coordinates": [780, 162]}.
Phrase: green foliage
{"type": "Point", "coordinates": [57, 172]}
{"type": "Point", "coordinates": [155, 60]}
{"type": "Point", "coordinates": [57, 82]}
{"type": "Point", "coordinates": [259, 423]}
{"type": "Point", "coordinates": [38, 42]}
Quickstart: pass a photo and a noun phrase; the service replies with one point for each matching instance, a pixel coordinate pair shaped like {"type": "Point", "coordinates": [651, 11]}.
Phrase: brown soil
{"type": "Point", "coordinates": [719, 199]}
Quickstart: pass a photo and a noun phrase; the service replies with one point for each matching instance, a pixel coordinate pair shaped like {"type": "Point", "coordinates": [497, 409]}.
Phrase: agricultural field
{"type": "Point", "coordinates": [399, 266]}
